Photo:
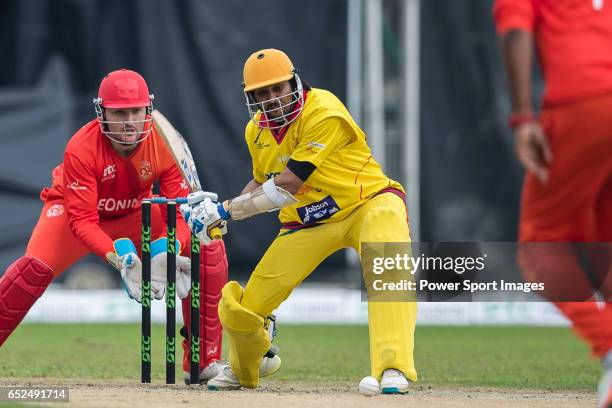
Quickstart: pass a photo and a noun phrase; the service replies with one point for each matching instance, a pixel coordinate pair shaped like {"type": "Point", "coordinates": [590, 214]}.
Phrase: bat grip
{"type": "Point", "coordinates": [215, 233]}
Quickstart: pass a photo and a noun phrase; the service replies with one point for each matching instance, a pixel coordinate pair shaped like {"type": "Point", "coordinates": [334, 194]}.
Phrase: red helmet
{"type": "Point", "coordinates": [123, 89]}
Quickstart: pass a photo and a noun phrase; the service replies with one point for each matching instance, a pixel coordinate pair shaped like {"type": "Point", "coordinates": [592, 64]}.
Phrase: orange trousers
{"type": "Point", "coordinates": [53, 243]}
{"type": "Point", "coordinates": [576, 205]}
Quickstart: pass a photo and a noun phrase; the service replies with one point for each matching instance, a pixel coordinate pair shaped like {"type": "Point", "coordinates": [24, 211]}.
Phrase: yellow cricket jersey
{"type": "Point", "coordinates": [325, 135]}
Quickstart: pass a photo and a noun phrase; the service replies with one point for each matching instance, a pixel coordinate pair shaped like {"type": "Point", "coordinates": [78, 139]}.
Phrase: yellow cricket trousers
{"type": "Point", "coordinates": [292, 256]}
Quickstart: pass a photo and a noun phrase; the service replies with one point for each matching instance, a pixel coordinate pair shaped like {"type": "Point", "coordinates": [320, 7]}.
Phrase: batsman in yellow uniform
{"type": "Point", "coordinates": [311, 161]}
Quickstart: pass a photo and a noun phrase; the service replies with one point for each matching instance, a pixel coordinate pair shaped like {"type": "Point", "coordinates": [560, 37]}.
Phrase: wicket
{"type": "Point", "coordinates": [194, 335]}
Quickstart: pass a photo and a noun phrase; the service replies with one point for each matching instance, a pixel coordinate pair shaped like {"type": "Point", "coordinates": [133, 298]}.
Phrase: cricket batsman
{"type": "Point", "coordinates": [566, 150]}
{"type": "Point", "coordinates": [311, 161]}
{"type": "Point", "coordinates": [93, 205]}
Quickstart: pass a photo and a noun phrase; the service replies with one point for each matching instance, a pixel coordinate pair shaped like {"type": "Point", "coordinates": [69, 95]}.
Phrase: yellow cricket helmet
{"type": "Point", "coordinates": [266, 67]}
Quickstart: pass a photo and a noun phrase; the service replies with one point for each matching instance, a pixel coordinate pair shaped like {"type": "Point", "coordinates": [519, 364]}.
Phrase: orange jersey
{"type": "Point", "coordinates": [95, 182]}
{"type": "Point", "coordinates": [573, 38]}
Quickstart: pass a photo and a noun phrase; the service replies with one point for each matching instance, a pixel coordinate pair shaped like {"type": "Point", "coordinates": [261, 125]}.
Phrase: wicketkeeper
{"type": "Point", "coordinates": [93, 205]}
{"type": "Point", "coordinates": [311, 161]}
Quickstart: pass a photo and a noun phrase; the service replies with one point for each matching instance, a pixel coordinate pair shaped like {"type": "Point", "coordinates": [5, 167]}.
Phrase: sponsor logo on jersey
{"type": "Point", "coordinates": [55, 210]}
{"type": "Point", "coordinates": [261, 145]}
{"type": "Point", "coordinates": [109, 172]}
{"type": "Point", "coordinates": [76, 186]}
{"type": "Point", "coordinates": [145, 171]}
{"type": "Point", "coordinates": [111, 204]}
{"type": "Point", "coordinates": [319, 211]}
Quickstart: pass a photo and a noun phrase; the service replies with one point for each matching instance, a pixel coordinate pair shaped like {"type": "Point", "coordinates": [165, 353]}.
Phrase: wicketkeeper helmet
{"type": "Point", "coordinates": [123, 89]}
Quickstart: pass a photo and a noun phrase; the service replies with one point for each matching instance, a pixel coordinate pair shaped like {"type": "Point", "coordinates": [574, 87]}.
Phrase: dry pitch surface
{"type": "Point", "coordinates": [98, 393]}
{"type": "Point", "coordinates": [458, 366]}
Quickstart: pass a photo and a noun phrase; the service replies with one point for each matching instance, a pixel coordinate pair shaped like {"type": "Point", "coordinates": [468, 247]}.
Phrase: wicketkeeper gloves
{"type": "Point", "coordinates": [125, 259]}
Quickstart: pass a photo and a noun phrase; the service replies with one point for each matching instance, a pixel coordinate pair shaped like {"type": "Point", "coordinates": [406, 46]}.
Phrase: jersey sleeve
{"type": "Point", "coordinates": [321, 139]}
{"type": "Point", "coordinates": [171, 184]}
{"type": "Point", "coordinates": [81, 197]}
{"type": "Point", "coordinates": [514, 15]}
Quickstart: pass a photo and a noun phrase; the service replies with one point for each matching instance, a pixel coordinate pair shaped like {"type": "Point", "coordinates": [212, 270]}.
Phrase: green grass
{"type": "Point", "coordinates": [516, 357]}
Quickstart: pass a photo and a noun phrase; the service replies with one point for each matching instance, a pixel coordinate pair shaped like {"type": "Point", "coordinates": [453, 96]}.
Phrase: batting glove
{"type": "Point", "coordinates": [203, 217]}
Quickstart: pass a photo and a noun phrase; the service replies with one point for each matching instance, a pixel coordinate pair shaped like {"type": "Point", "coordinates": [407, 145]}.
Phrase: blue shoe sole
{"type": "Point", "coordinates": [392, 390]}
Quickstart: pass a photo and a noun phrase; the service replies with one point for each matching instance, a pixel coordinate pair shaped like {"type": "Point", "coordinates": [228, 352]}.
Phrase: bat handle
{"type": "Point", "coordinates": [215, 233]}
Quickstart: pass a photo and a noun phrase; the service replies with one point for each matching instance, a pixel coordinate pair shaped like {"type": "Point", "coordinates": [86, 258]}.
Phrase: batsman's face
{"type": "Point", "coordinates": [275, 99]}
{"type": "Point", "coordinates": [126, 124]}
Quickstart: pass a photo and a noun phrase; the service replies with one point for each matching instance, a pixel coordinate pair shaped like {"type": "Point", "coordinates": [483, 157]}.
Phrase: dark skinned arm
{"type": "Point", "coordinates": [531, 144]}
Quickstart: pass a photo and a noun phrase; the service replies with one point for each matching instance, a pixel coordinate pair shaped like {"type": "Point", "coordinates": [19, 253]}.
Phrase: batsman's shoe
{"type": "Point", "coordinates": [209, 372]}
{"type": "Point", "coordinates": [269, 365]}
{"type": "Point", "coordinates": [393, 382]}
{"type": "Point", "coordinates": [225, 381]}
{"type": "Point", "coordinates": [604, 390]}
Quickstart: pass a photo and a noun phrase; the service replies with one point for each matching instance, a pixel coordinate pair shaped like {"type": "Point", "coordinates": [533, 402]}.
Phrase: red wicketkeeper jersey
{"type": "Point", "coordinates": [95, 182]}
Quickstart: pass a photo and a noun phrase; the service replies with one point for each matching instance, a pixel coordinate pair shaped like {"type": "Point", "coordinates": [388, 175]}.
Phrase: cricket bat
{"type": "Point", "coordinates": [182, 156]}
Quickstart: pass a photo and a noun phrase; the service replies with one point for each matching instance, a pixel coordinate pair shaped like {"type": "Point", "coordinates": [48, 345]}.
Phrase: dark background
{"type": "Point", "coordinates": [191, 54]}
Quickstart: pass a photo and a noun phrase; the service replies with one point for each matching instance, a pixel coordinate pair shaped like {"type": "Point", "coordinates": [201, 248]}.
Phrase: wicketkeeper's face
{"type": "Point", "coordinates": [125, 124]}
{"type": "Point", "coordinates": [275, 99]}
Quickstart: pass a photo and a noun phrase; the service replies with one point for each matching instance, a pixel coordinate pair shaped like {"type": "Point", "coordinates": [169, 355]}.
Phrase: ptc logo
{"type": "Point", "coordinates": [146, 239]}
{"type": "Point", "coordinates": [109, 172]}
{"type": "Point", "coordinates": [146, 294]}
{"type": "Point", "coordinates": [146, 349]}
{"type": "Point", "coordinates": [172, 241]}
{"type": "Point", "coordinates": [170, 349]}
{"type": "Point", "coordinates": [171, 296]}
{"type": "Point", "coordinates": [195, 349]}
{"type": "Point", "coordinates": [195, 245]}
{"type": "Point", "coordinates": [195, 295]}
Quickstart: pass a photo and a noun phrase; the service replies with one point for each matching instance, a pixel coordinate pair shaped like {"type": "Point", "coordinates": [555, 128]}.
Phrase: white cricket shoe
{"type": "Point", "coordinates": [393, 382]}
{"type": "Point", "coordinates": [209, 372]}
{"type": "Point", "coordinates": [227, 380]}
{"type": "Point", "coordinates": [604, 390]}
